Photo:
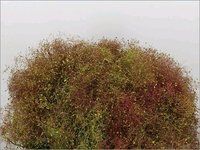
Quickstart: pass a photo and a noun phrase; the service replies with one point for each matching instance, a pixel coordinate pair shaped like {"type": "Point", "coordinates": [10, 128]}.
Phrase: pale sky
{"type": "Point", "coordinates": [171, 27]}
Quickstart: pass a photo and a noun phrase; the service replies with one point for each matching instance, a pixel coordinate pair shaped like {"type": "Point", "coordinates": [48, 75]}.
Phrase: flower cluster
{"type": "Point", "coordinates": [106, 94]}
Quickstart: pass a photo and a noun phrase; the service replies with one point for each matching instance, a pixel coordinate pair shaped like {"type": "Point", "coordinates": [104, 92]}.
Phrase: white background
{"type": "Point", "coordinates": [171, 27]}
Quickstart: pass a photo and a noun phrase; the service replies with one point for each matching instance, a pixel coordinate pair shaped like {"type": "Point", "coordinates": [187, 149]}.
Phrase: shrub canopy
{"type": "Point", "coordinates": [105, 94]}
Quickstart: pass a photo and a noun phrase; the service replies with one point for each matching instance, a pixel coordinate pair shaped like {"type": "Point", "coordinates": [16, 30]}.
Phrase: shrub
{"type": "Point", "coordinates": [105, 94]}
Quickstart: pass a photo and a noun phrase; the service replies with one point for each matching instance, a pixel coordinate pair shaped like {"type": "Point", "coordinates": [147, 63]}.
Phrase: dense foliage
{"type": "Point", "coordinates": [105, 94]}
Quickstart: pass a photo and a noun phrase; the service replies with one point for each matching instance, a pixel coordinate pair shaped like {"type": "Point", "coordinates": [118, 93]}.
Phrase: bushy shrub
{"type": "Point", "coordinates": [105, 94]}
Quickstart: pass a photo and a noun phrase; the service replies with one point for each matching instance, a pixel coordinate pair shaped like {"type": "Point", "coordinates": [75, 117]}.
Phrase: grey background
{"type": "Point", "coordinates": [171, 27]}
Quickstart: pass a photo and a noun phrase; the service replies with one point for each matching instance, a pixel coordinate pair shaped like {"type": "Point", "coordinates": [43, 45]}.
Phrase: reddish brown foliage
{"type": "Point", "coordinates": [76, 94]}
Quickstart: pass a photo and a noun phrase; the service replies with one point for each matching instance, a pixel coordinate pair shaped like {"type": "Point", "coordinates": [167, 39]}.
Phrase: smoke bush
{"type": "Point", "coordinates": [105, 94]}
